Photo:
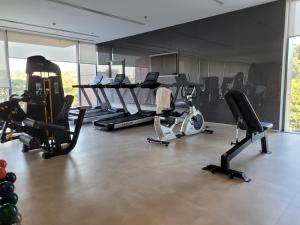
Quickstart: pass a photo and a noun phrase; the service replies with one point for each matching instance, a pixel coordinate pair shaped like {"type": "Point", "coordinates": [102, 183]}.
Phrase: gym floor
{"type": "Point", "coordinates": [120, 179]}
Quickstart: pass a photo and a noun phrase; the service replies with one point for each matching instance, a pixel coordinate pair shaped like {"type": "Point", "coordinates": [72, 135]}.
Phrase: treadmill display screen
{"type": "Point", "coordinates": [152, 77]}
{"type": "Point", "coordinates": [119, 78]}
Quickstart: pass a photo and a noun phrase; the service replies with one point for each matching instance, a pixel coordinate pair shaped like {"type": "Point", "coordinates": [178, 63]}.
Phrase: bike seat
{"type": "Point", "coordinates": [181, 104]}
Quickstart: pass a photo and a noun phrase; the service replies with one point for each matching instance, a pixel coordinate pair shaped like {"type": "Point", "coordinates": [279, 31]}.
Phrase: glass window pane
{"type": "Point", "coordinates": [69, 78]}
{"type": "Point", "coordinates": [87, 76]}
{"type": "Point", "coordinates": [103, 70]}
{"type": "Point", "coordinates": [294, 21]}
{"type": "Point", "coordinates": [4, 80]}
{"type": "Point", "coordinates": [87, 53]}
{"type": "Point", "coordinates": [165, 64]}
{"type": "Point", "coordinates": [18, 75]}
{"type": "Point", "coordinates": [104, 54]}
{"type": "Point", "coordinates": [138, 75]}
{"type": "Point", "coordinates": [293, 85]}
{"type": "Point", "coordinates": [133, 58]}
{"type": "Point", "coordinates": [24, 45]}
{"type": "Point", "coordinates": [116, 69]}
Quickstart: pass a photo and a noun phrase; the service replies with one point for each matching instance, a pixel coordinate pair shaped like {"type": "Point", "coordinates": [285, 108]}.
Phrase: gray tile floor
{"type": "Point", "coordinates": [120, 179]}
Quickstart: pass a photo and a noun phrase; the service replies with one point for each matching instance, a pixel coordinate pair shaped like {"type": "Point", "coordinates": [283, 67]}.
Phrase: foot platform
{"type": "Point", "coordinates": [208, 131]}
{"type": "Point", "coordinates": [231, 173]}
{"type": "Point", "coordinates": [152, 140]}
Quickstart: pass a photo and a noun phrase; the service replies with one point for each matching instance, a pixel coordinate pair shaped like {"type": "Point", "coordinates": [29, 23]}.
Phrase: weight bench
{"type": "Point", "coordinates": [247, 120]}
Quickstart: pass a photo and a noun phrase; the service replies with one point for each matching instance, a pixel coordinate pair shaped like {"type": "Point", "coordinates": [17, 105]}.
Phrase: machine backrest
{"type": "Point", "coordinates": [243, 111]}
{"type": "Point", "coordinates": [62, 116]}
{"type": "Point", "coordinates": [39, 63]}
{"type": "Point", "coordinates": [49, 87]}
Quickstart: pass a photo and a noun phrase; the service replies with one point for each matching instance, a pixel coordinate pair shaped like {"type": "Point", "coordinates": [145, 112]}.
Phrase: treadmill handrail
{"type": "Point", "coordinates": [84, 86]}
{"type": "Point", "coordinates": [129, 85]}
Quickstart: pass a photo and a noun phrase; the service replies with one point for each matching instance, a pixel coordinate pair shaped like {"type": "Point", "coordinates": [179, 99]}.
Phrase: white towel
{"type": "Point", "coordinates": [163, 99]}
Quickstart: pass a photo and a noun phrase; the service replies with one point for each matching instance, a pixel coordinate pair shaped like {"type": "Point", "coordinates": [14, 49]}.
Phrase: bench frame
{"type": "Point", "coordinates": [247, 120]}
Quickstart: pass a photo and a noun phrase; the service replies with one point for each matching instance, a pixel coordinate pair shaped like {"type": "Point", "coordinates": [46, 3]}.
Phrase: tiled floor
{"type": "Point", "coordinates": [120, 179]}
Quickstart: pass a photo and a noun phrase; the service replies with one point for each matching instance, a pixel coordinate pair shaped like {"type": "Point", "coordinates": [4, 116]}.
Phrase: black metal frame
{"type": "Point", "coordinates": [35, 134]}
{"type": "Point", "coordinates": [58, 150]}
{"type": "Point", "coordinates": [234, 151]}
{"type": "Point", "coordinates": [247, 120]}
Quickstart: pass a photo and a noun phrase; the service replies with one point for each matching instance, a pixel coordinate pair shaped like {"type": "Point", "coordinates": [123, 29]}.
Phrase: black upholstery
{"type": "Point", "coordinates": [41, 64]}
{"type": "Point", "coordinates": [243, 112]}
{"type": "Point", "coordinates": [63, 114]}
{"type": "Point", "coordinates": [11, 110]}
{"type": "Point", "coordinates": [247, 119]}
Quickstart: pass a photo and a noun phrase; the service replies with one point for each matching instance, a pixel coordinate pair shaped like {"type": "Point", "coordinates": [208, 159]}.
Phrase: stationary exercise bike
{"type": "Point", "coordinates": [166, 121]}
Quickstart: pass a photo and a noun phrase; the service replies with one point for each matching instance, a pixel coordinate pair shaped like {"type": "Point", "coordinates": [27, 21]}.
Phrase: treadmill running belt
{"type": "Point", "coordinates": [123, 121]}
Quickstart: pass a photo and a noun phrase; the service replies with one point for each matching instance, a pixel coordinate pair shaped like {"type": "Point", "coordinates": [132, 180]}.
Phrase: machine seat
{"type": "Point", "coordinates": [181, 104]}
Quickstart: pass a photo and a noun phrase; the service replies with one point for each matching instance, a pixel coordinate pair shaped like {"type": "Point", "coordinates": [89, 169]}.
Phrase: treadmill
{"type": "Point", "coordinates": [105, 110]}
{"type": "Point", "coordinates": [91, 111]}
{"type": "Point", "coordinates": [127, 119]}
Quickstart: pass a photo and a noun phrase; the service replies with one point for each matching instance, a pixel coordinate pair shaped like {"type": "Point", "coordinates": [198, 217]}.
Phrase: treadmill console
{"type": "Point", "coordinates": [151, 80]}
{"type": "Point", "coordinates": [97, 79]}
{"type": "Point", "coordinates": [118, 79]}
{"type": "Point", "coordinates": [181, 79]}
{"type": "Point", "coordinates": [151, 77]}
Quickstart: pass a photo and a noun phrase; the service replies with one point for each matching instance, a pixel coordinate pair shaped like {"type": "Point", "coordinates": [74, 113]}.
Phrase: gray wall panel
{"type": "Point", "coordinates": [248, 41]}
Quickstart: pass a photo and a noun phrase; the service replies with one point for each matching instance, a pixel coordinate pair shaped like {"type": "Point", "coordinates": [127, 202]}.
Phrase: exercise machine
{"type": "Point", "coordinates": [166, 120]}
{"type": "Point", "coordinates": [53, 138]}
{"type": "Point", "coordinates": [127, 119]}
{"type": "Point", "coordinates": [111, 111]}
{"type": "Point", "coordinates": [180, 81]}
{"type": "Point", "coordinates": [92, 112]}
{"type": "Point", "coordinates": [44, 125]}
{"type": "Point", "coordinates": [105, 110]}
{"type": "Point", "coordinates": [247, 120]}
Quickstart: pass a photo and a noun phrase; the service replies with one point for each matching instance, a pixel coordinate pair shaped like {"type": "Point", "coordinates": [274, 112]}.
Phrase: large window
{"type": "Point", "coordinates": [292, 120]}
{"type": "Point", "coordinates": [18, 75]}
{"type": "Point", "coordinates": [4, 79]}
{"type": "Point", "coordinates": [24, 45]}
{"type": "Point", "coordinates": [104, 70]}
{"type": "Point", "coordinates": [87, 76]}
{"type": "Point", "coordinates": [62, 52]}
{"type": "Point", "coordinates": [293, 107]}
{"type": "Point", "coordinates": [65, 53]}
{"type": "Point", "coordinates": [69, 77]}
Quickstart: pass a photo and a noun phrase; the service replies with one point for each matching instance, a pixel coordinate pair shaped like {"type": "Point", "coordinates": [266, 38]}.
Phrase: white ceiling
{"type": "Point", "coordinates": [80, 23]}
